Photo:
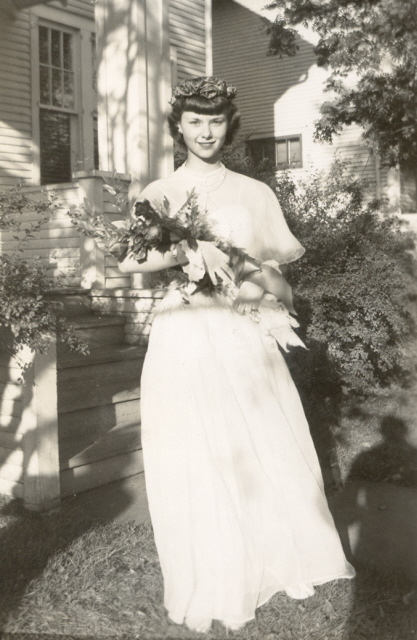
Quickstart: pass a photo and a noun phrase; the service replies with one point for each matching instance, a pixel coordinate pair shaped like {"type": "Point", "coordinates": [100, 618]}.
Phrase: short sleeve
{"type": "Point", "coordinates": [158, 190]}
{"type": "Point", "coordinates": [151, 192]}
{"type": "Point", "coordinates": [272, 240]}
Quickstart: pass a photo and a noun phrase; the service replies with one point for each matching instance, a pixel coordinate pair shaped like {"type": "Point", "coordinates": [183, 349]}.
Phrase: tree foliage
{"type": "Point", "coordinates": [377, 41]}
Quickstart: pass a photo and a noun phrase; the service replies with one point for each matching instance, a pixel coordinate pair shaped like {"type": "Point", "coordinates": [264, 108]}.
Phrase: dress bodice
{"type": "Point", "coordinates": [244, 211]}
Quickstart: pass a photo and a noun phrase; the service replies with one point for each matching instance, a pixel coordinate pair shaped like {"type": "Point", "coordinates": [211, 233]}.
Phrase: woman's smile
{"type": "Point", "coordinates": [203, 134]}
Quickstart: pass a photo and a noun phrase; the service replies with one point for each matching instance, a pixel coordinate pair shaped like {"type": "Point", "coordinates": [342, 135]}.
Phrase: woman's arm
{"type": "Point", "coordinates": [266, 279]}
{"type": "Point", "coordinates": [155, 261]}
{"type": "Point", "coordinates": [273, 282]}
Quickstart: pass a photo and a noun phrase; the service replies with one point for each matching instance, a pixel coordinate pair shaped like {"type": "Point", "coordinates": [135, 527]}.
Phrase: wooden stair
{"type": "Point", "coordinates": [74, 423]}
{"type": "Point", "coordinates": [98, 401]}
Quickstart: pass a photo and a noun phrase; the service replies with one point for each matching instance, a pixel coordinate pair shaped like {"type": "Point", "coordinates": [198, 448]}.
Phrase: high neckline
{"type": "Point", "coordinates": [205, 181]}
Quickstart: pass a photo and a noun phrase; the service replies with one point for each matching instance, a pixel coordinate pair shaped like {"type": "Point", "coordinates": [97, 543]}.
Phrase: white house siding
{"type": "Point", "coordinates": [187, 23]}
{"type": "Point", "coordinates": [15, 101]}
{"type": "Point", "coordinates": [84, 8]}
{"type": "Point", "coordinates": [278, 97]}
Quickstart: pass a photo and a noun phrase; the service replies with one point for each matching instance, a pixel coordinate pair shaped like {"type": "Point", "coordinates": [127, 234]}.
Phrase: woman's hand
{"type": "Point", "coordinates": [274, 282]}
{"type": "Point", "coordinates": [248, 298]}
{"type": "Point", "coordinates": [216, 262]}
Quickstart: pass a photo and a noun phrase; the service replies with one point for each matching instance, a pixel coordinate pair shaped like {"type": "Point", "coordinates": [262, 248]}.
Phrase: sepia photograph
{"type": "Point", "coordinates": [208, 319]}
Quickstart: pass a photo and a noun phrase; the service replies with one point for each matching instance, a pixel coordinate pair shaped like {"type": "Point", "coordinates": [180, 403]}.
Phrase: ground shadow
{"type": "Point", "coordinates": [377, 523]}
{"type": "Point", "coordinates": [376, 515]}
{"type": "Point", "coordinates": [393, 460]}
{"type": "Point", "coordinates": [384, 607]}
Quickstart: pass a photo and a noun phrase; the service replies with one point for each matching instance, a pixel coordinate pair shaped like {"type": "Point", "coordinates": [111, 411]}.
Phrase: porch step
{"type": "Point", "coordinates": [75, 301]}
{"type": "Point", "coordinates": [101, 354]}
{"type": "Point", "coordinates": [100, 380]}
{"type": "Point", "coordinates": [98, 398]}
{"type": "Point", "coordinates": [121, 439]}
{"type": "Point", "coordinates": [99, 330]}
{"type": "Point", "coordinates": [99, 416]}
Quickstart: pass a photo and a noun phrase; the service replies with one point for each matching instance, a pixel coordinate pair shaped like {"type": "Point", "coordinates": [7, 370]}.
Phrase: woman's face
{"type": "Point", "coordinates": [204, 135]}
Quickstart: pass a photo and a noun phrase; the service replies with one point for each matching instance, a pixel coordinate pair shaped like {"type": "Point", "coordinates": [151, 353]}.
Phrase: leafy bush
{"type": "Point", "coordinates": [27, 309]}
{"type": "Point", "coordinates": [354, 283]}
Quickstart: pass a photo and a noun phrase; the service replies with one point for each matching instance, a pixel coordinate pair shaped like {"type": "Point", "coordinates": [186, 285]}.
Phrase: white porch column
{"type": "Point", "coordinates": [133, 88]}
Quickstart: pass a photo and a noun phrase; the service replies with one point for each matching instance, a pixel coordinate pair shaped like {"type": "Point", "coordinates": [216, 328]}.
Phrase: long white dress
{"type": "Point", "coordinates": [234, 484]}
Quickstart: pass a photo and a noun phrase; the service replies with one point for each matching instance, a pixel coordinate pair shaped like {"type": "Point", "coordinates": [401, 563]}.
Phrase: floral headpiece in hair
{"type": "Point", "coordinates": [207, 87]}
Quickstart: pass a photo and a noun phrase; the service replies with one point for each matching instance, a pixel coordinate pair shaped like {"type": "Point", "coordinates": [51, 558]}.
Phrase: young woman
{"type": "Point", "coordinates": [233, 480]}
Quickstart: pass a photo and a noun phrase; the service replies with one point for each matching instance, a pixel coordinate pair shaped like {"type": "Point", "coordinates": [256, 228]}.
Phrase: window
{"type": "Point", "coordinates": [285, 153]}
{"type": "Point", "coordinates": [58, 117]}
{"type": "Point", "coordinates": [95, 93]}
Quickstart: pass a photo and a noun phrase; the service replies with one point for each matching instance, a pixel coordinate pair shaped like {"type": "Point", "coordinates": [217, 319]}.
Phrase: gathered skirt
{"type": "Point", "coordinates": [233, 480]}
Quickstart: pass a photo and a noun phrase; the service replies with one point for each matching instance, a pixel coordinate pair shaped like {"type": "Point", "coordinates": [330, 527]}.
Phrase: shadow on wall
{"type": "Point", "coordinates": [133, 102]}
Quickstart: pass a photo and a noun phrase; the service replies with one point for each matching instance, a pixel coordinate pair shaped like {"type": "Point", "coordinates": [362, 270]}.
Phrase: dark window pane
{"type": "Point", "coordinates": [94, 58]}
{"type": "Point", "coordinates": [95, 134]}
{"type": "Point", "coordinates": [55, 147]}
{"type": "Point", "coordinates": [281, 147]}
{"type": "Point", "coordinates": [67, 51]}
{"type": "Point", "coordinates": [57, 100]}
{"type": "Point", "coordinates": [255, 151]}
{"type": "Point", "coordinates": [68, 101]}
{"type": "Point", "coordinates": [43, 45]}
{"type": "Point", "coordinates": [56, 48]}
{"type": "Point", "coordinates": [44, 85]}
{"type": "Point", "coordinates": [268, 150]}
{"type": "Point", "coordinates": [263, 149]}
{"type": "Point", "coordinates": [294, 151]}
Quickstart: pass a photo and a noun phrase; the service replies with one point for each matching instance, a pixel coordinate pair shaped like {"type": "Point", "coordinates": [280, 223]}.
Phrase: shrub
{"type": "Point", "coordinates": [354, 283]}
{"type": "Point", "coordinates": [26, 308]}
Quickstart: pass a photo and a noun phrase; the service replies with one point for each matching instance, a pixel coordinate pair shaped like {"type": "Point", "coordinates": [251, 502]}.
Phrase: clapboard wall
{"type": "Point", "coordinates": [15, 100]}
{"type": "Point", "coordinates": [188, 23]}
{"type": "Point", "coordinates": [84, 8]}
{"type": "Point", "coordinates": [278, 97]}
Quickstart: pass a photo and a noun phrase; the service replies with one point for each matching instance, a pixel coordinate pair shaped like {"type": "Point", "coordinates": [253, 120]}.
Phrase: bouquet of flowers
{"type": "Point", "coordinates": [151, 228]}
{"type": "Point", "coordinates": [189, 229]}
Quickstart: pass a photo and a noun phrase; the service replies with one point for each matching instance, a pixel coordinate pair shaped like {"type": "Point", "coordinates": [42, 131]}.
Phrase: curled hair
{"type": "Point", "coordinates": [204, 106]}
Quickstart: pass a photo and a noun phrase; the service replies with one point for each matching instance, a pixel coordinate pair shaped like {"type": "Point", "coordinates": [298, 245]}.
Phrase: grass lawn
{"type": "Point", "coordinates": [59, 579]}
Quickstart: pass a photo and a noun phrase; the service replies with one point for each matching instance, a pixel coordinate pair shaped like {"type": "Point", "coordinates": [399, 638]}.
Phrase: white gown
{"type": "Point", "coordinates": [233, 480]}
